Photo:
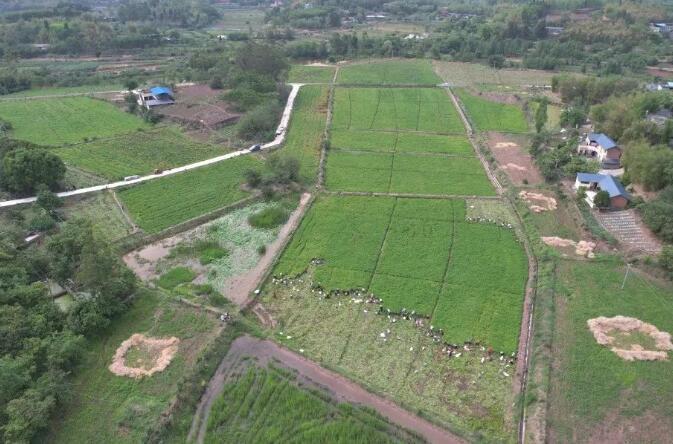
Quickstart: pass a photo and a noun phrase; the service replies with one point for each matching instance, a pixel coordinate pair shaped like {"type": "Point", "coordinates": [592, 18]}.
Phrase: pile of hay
{"type": "Point", "coordinates": [606, 330]}
{"type": "Point", "coordinates": [582, 248]}
{"type": "Point", "coordinates": [538, 202]}
{"type": "Point", "coordinates": [163, 351]}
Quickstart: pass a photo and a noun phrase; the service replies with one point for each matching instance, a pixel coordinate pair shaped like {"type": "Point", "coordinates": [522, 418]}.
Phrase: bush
{"type": "Point", "coordinates": [42, 222]}
{"type": "Point", "coordinates": [23, 169]}
{"type": "Point", "coordinates": [47, 200]}
{"type": "Point", "coordinates": [217, 300]}
{"type": "Point", "coordinates": [666, 259]}
{"type": "Point", "coordinates": [602, 199]}
{"type": "Point", "coordinates": [176, 276]}
{"type": "Point", "coordinates": [253, 178]}
{"type": "Point", "coordinates": [658, 214]}
{"type": "Point", "coordinates": [269, 217]}
{"type": "Point", "coordinates": [261, 250]}
{"type": "Point", "coordinates": [210, 251]}
{"type": "Point", "coordinates": [260, 123]}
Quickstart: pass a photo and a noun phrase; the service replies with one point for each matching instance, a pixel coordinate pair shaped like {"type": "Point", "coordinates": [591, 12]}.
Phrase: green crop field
{"type": "Point", "coordinates": [592, 389]}
{"type": "Point", "coordinates": [412, 174]}
{"type": "Point", "coordinates": [411, 109]}
{"type": "Point", "coordinates": [59, 121]}
{"type": "Point", "coordinates": [267, 406]}
{"type": "Point", "coordinates": [311, 74]}
{"type": "Point", "coordinates": [306, 129]}
{"type": "Point", "coordinates": [401, 142]}
{"type": "Point", "coordinates": [487, 115]}
{"type": "Point", "coordinates": [105, 408]}
{"type": "Point", "coordinates": [56, 91]}
{"type": "Point", "coordinates": [137, 153]}
{"type": "Point", "coordinates": [162, 203]}
{"type": "Point", "coordinates": [420, 255]}
{"type": "Point", "coordinates": [389, 72]}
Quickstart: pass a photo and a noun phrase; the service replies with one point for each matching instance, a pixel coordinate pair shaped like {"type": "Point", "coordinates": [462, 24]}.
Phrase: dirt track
{"type": "Point", "coordinates": [342, 389]}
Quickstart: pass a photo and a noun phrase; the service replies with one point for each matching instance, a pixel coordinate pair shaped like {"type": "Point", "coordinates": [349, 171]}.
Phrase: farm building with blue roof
{"type": "Point", "coordinates": [600, 147]}
{"type": "Point", "coordinates": [155, 96]}
{"type": "Point", "coordinates": [593, 183]}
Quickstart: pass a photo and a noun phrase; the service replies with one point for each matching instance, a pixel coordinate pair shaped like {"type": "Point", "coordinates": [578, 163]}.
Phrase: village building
{"type": "Point", "coordinates": [593, 183]}
{"type": "Point", "coordinates": [600, 147]}
{"type": "Point", "coordinates": [155, 96]}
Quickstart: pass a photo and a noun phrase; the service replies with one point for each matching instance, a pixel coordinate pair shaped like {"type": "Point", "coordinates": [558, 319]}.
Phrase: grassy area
{"type": "Point", "coordinates": [102, 211]}
{"type": "Point", "coordinates": [461, 393]}
{"type": "Point", "coordinates": [418, 255]}
{"type": "Point", "coordinates": [311, 74]}
{"type": "Point", "coordinates": [400, 173]}
{"type": "Point", "coordinates": [59, 121]}
{"type": "Point", "coordinates": [240, 20]}
{"type": "Point", "coordinates": [106, 408]}
{"type": "Point", "coordinates": [137, 153]}
{"type": "Point", "coordinates": [389, 72]}
{"type": "Point", "coordinates": [306, 130]}
{"type": "Point", "coordinates": [159, 204]}
{"type": "Point", "coordinates": [487, 115]}
{"type": "Point", "coordinates": [58, 91]}
{"type": "Point", "coordinates": [593, 391]}
{"type": "Point", "coordinates": [253, 408]}
{"type": "Point", "coordinates": [409, 109]}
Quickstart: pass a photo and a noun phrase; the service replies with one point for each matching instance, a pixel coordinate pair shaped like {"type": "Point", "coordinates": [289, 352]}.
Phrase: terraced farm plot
{"type": "Point", "coordinates": [267, 406]}
{"type": "Point", "coordinates": [418, 254]}
{"type": "Point", "coordinates": [403, 173]}
{"type": "Point", "coordinates": [306, 129]}
{"type": "Point", "coordinates": [393, 109]}
{"type": "Point", "coordinates": [487, 115]}
{"type": "Point", "coordinates": [311, 74]}
{"type": "Point", "coordinates": [59, 121]}
{"type": "Point", "coordinates": [162, 203]}
{"type": "Point", "coordinates": [389, 72]}
{"type": "Point", "coordinates": [137, 153]}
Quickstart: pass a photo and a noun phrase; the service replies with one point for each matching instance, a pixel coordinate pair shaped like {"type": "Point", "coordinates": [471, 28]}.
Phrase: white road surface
{"type": "Point", "coordinates": [280, 138]}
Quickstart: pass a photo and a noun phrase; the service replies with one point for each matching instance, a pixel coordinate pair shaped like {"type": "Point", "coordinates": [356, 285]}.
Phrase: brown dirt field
{"type": "Point", "coordinates": [664, 71]}
{"type": "Point", "coordinates": [200, 106]}
{"type": "Point", "coordinates": [513, 159]}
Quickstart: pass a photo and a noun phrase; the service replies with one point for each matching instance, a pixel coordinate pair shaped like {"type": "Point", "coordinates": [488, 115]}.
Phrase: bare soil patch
{"type": "Point", "coordinates": [582, 248]}
{"type": "Point", "coordinates": [141, 356]}
{"type": "Point", "coordinates": [538, 202]}
{"type": "Point", "coordinates": [513, 159]}
{"type": "Point", "coordinates": [200, 106]}
{"type": "Point", "coordinates": [631, 339]}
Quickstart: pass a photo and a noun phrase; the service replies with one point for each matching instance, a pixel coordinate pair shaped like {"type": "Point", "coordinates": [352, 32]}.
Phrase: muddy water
{"type": "Point", "coordinates": [143, 261]}
{"type": "Point", "coordinates": [342, 388]}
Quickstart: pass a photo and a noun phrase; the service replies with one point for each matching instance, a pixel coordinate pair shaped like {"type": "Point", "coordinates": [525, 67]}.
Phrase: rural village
{"type": "Point", "coordinates": [336, 221]}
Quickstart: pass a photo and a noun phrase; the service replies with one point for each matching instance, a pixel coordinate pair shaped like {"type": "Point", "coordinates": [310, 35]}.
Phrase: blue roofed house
{"type": "Point", "coordinates": [155, 96]}
{"type": "Point", "coordinates": [593, 183]}
{"type": "Point", "coordinates": [600, 147]}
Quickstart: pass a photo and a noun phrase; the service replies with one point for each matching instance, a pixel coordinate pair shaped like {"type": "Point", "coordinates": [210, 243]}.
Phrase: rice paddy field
{"type": "Point", "coordinates": [306, 129]}
{"type": "Point", "coordinates": [389, 72]}
{"type": "Point", "coordinates": [60, 121]}
{"type": "Point", "coordinates": [487, 115]}
{"type": "Point", "coordinates": [311, 74]}
{"type": "Point", "coordinates": [267, 405]}
{"type": "Point", "coordinates": [159, 204]}
{"type": "Point", "coordinates": [417, 254]}
{"type": "Point", "coordinates": [478, 75]}
{"type": "Point", "coordinates": [106, 408]}
{"type": "Point", "coordinates": [137, 153]}
{"type": "Point", "coordinates": [595, 395]}
{"type": "Point", "coordinates": [401, 140]}
{"type": "Point", "coordinates": [396, 109]}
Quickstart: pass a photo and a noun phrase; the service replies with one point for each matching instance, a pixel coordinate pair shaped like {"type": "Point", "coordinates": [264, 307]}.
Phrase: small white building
{"type": "Point", "coordinates": [155, 96]}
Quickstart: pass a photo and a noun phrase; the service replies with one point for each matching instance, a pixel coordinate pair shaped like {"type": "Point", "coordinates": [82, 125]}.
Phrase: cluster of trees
{"type": "Point", "coordinates": [184, 13]}
{"type": "Point", "coordinates": [39, 344]}
{"type": "Point", "coordinates": [658, 214]}
{"type": "Point", "coordinates": [557, 162]}
{"type": "Point", "coordinates": [281, 172]}
{"type": "Point", "coordinates": [24, 167]}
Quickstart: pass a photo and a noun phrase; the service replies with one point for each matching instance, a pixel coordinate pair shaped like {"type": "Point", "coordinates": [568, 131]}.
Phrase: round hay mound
{"type": "Point", "coordinates": [161, 353]}
{"type": "Point", "coordinates": [606, 331]}
{"type": "Point", "coordinates": [538, 202]}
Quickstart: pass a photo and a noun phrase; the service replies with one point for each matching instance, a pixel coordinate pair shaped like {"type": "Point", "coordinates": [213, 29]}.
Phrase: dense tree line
{"type": "Point", "coordinates": [39, 344]}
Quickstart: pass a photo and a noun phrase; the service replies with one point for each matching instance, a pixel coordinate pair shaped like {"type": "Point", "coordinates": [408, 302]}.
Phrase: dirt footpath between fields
{"type": "Point", "coordinates": [343, 389]}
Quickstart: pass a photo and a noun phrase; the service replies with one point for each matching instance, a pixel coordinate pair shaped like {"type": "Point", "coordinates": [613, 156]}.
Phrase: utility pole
{"type": "Point", "coordinates": [628, 267]}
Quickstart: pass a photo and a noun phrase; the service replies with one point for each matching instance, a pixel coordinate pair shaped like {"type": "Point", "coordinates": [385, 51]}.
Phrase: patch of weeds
{"type": "Point", "coordinates": [208, 251]}
{"type": "Point", "coordinates": [270, 217]}
{"type": "Point", "coordinates": [176, 276]}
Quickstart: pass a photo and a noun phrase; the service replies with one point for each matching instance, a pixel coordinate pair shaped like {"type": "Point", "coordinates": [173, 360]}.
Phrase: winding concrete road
{"type": "Point", "coordinates": [280, 138]}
